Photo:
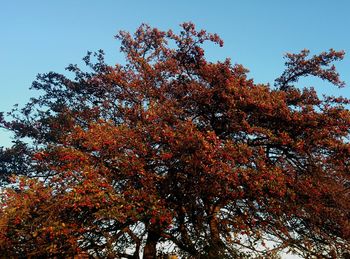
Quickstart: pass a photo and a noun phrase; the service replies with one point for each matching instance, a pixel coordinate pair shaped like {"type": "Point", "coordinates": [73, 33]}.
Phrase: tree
{"type": "Point", "coordinates": [171, 151]}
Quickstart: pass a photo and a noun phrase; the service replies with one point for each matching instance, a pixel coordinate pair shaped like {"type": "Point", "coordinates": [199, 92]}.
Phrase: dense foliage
{"type": "Point", "coordinates": [173, 152]}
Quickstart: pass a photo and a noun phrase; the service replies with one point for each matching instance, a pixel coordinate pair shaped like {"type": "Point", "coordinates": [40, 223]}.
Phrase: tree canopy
{"type": "Point", "coordinates": [171, 152]}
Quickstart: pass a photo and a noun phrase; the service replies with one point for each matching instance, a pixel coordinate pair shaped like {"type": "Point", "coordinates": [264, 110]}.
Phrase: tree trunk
{"type": "Point", "coordinates": [216, 245]}
{"type": "Point", "coordinates": [150, 250]}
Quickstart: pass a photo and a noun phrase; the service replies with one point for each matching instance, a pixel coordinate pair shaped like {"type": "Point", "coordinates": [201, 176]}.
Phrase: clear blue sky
{"type": "Point", "coordinates": [40, 36]}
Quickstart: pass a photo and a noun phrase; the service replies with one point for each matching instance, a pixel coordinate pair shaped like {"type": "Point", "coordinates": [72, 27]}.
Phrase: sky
{"type": "Point", "coordinates": [42, 36]}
